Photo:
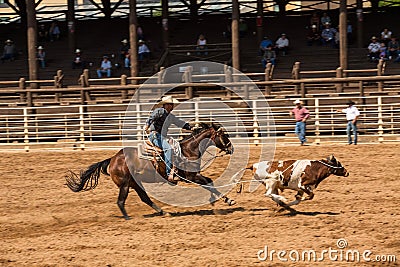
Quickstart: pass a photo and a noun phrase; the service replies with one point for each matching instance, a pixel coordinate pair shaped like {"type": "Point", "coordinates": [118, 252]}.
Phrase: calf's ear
{"type": "Point", "coordinates": [331, 158]}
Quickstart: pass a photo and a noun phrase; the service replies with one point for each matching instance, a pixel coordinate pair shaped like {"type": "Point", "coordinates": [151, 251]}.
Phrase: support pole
{"type": "Point", "coordinates": [235, 35]}
{"type": "Point", "coordinates": [343, 34]}
{"type": "Point", "coordinates": [32, 42]}
{"type": "Point", "coordinates": [164, 23]}
{"type": "Point", "coordinates": [71, 25]}
{"type": "Point", "coordinates": [260, 21]}
{"type": "Point", "coordinates": [133, 39]}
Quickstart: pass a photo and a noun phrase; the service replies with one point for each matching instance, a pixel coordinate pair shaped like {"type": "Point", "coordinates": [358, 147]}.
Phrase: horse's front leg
{"type": "Point", "coordinates": [209, 185]}
{"type": "Point", "coordinates": [309, 191]}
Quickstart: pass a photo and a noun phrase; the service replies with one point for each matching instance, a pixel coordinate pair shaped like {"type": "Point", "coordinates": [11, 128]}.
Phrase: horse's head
{"type": "Point", "coordinates": [221, 139]}
{"type": "Point", "coordinates": [338, 168]}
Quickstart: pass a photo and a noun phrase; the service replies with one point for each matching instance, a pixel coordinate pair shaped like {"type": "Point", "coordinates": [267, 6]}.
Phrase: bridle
{"type": "Point", "coordinates": [335, 168]}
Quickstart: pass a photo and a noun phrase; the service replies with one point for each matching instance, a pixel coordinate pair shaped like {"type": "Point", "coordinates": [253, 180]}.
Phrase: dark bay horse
{"type": "Point", "coordinates": [127, 170]}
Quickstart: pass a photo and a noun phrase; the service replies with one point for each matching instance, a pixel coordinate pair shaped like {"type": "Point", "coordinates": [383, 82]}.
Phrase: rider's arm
{"type": "Point", "coordinates": [180, 123]}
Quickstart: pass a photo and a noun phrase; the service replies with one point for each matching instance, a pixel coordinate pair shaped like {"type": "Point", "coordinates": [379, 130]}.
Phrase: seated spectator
{"type": "Point", "coordinates": [393, 48]}
{"type": "Point", "coordinates": [124, 49]}
{"type": "Point", "coordinates": [243, 28]}
{"type": "Point", "coordinates": [325, 19]}
{"type": "Point", "coordinates": [42, 33]}
{"type": "Point", "coordinates": [201, 45]}
{"type": "Point", "coordinates": [105, 68]}
{"type": "Point", "coordinates": [41, 57]}
{"type": "Point", "coordinates": [328, 35]}
{"type": "Point", "coordinates": [383, 51]}
{"type": "Point", "coordinates": [54, 32]}
{"type": "Point", "coordinates": [143, 51]}
{"type": "Point", "coordinates": [314, 21]}
{"type": "Point", "coordinates": [374, 49]}
{"type": "Point", "coordinates": [9, 51]}
{"type": "Point", "coordinates": [282, 45]}
{"type": "Point", "coordinates": [386, 35]}
{"type": "Point", "coordinates": [127, 61]}
{"type": "Point", "coordinates": [78, 62]}
{"type": "Point", "coordinates": [264, 44]}
{"type": "Point", "coordinates": [269, 56]}
{"type": "Point", "coordinates": [313, 36]}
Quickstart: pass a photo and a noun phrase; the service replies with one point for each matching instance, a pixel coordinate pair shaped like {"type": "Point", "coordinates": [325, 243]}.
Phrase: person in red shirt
{"type": "Point", "coordinates": [301, 114]}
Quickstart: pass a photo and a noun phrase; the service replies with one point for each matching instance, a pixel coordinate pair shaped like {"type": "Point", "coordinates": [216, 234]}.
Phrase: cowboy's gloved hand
{"type": "Point", "coordinates": [146, 128]}
{"type": "Point", "coordinates": [187, 127]}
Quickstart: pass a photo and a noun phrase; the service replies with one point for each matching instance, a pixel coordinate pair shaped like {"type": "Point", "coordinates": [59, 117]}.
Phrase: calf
{"type": "Point", "coordinates": [302, 176]}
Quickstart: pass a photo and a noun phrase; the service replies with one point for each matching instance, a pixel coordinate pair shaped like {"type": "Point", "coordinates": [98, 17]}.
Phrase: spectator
{"type": "Point", "coordinates": [54, 32]}
{"type": "Point", "coordinates": [328, 35]}
{"type": "Point", "coordinates": [105, 68]}
{"type": "Point", "coordinates": [269, 56]}
{"type": "Point", "coordinates": [315, 20]}
{"type": "Point", "coordinates": [42, 33]}
{"type": "Point", "coordinates": [352, 115]}
{"type": "Point", "coordinates": [374, 49]}
{"type": "Point", "coordinates": [78, 61]}
{"type": "Point", "coordinates": [243, 28]}
{"type": "Point", "coordinates": [383, 51]}
{"type": "Point", "coordinates": [143, 51]}
{"type": "Point", "coordinates": [282, 44]}
{"type": "Point", "coordinates": [124, 49]}
{"type": "Point", "coordinates": [201, 45]}
{"type": "Point", "coordinates": [386, 35]}
{"type": "Point", "coordinates": [301, 114]}
{"type": "Point", "coordinates": [325, 19]}
{"type": "Point", "coordinates": [127, 61]}
{"type": "Point", "coordinates": [41, 57]}
{"type": "Point", "coordinates": [393, 48]}
{"type": "Point", "coordinates": [9, 51]}
{"type": "Point", "coordinates": [264, 44]}
{"type": "Point", "coordinates": [313, 36]}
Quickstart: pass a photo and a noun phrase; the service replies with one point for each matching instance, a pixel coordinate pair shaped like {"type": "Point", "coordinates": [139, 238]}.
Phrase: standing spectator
{"type": "Point", "coordinates": [374, 49]}
{"type": "Point", "coordinates": [325, 19]}
{"type": "Point", "coordinates": [143, 51]}
{"type": "Point", "coordinates": [201, 45]}
{"type": "Point", "coordinates": [41, 57]}
{"type": "Point", "coordinates": [315, 20]}
{"type": "Point", "coordinates": [313, 36]}
{"type": "Point", "coordinates": [269, 56]}
{"type": "Point", "coordinates": [78, 61]}
{"type": "Point", "coordinates": [301, 114]}
{"type": "Point", "coordinates": [105, 68]}
{"type": "Point", "coordinates": [9, 51]}
{"type": "Point", "coordinates": [124, 49]}
{"type": "Point", "coordinates": [282, 44]}
{"type": "Point", "coordinates": [386, 35]}
{"type": "Point", "coordinates": [328, 35]}
{"type": "Point", "coordinates": [352, 115]}
{"type": "Point", "coordinates": [54, 32]}
{"type": "Point", "coordinates": [393, 48]}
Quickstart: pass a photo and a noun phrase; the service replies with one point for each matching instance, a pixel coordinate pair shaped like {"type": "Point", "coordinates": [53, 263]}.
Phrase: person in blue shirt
{"type": "Point", "coordinates": [264, 44]}
{"type": "Point", "coordinates": [105, 68]}
{"type": "Point", "coordinates": [158, 123]}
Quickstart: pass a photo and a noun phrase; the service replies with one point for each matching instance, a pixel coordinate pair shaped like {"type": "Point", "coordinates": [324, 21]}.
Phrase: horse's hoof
{"type": "Point", "coordinates": [165, 214]}
{"type": "Point", "coordinates": [127, 218]}
{"type": "Point", "coordinates": [231, 202]}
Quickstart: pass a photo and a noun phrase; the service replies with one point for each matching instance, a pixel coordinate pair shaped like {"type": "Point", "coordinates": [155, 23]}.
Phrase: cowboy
{"type": "Point", "coordinates": [352, 115]}
{"type": "Point", "coordinates": [158, 123]}
{"type": "Point", "coordinates": [301, 114]}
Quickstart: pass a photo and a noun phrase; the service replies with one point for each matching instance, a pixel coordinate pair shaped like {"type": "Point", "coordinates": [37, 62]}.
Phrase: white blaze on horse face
{"type": "Point", "coordinates": [298, 169]}
{"type": "Point", "coordinates": [261, 169]}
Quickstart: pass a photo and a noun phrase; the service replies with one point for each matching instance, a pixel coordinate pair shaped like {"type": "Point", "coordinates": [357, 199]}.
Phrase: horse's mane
{"type": "Point", "coordinates": [201, 127]}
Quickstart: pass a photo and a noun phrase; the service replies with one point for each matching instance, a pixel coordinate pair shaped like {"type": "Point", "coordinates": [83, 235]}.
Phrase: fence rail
{"type": "Point", "coordinates": [82, 127]}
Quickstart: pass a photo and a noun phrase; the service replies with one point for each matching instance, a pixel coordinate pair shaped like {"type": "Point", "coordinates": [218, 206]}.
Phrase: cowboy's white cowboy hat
{"type": "Point", "coordinates": [77, 51]}
{"type": "Point", "coordinates": [40, 47]}
{"type": "Point", "coordinates": [298, 101]}
{"type": "Point", "coordinates": [125, 41]}
{"type": "Point", "coordinates": [167, 100]}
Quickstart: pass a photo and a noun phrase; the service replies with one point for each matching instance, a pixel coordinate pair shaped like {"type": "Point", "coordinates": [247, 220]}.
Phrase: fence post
{"type": "Point", "coordinates": [124, 81]}
{"type": "Point", "coordinates": [303, 90]}
{"type": "Point", "coordinates": [81, 128]}
{"type": "Point", "coordinates": [380, 120]}
{"type": "Point", "coordinates": [255, 123]}
{"type": "Point", "coordinates": [139, 126]}
{"type": "Point", "coordinates": [339, 74]}
{"type": "Point", "coordinates": [317, 123]}
{"type": "Point", "coordinates": [26, 130]}
{"type": "Point", "coordinates": [268, 77]}
{"type": "Point", "coordinates": [187, 78]}
{"type": "Point", "coordinates": [362, 94]}
{"type": "Point", "coordinates": [160, 80]}
{"type": "Point", "coordinates": [228, 79]}
{"type": "Point", "coordinates": [22, 85]}
{"type": "Point", "coordinates": [86, 83]}
{"type": "Point", "coordinates": [296, 75]}
{"type": "Point", "coordinates": [380, 70]}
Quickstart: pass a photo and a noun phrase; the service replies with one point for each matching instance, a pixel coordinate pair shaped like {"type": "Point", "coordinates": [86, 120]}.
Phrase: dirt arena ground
{"type": "Point", "coordinates": [43, 223]}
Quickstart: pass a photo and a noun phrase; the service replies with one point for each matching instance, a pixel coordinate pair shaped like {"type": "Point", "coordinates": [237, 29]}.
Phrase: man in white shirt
{"type": "Point", "coordinates": [374, 49]}
{"type": "Point", "coordinates": [105, 68]}
{"type": "Point", "coordinates": [282, 44]}
{"type": "Point", "coordinates": [352, 115]}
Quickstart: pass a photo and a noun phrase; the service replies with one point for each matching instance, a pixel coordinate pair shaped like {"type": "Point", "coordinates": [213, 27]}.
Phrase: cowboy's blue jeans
{"type": "Point", "coordinates": [158, 140]}
{"type": "Point", "coordinates": [351, 127]}
{"type": "Point", "coordinates": [300, 130]}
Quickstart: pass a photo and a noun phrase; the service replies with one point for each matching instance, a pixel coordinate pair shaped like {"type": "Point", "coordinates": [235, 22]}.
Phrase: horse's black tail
{"type": "Point", "coordinates": [87, 179]}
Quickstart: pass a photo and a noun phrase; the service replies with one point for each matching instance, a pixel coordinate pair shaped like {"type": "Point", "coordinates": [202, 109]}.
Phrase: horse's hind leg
{"type": "Point", "coordinates": [146, 199]}
{"type": "Point", "coordinates": [123, 194]}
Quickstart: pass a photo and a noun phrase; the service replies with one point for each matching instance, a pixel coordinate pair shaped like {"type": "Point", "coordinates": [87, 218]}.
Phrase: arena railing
{"type": "Point", "coordinates": [101, 126]}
